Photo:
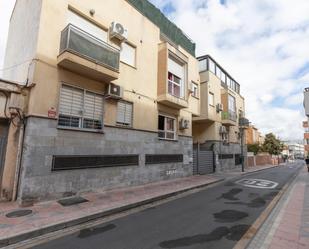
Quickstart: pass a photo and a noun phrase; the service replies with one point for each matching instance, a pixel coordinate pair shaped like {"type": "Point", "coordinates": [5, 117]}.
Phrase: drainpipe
{"type": "Point", "coordinates": [19, 159]}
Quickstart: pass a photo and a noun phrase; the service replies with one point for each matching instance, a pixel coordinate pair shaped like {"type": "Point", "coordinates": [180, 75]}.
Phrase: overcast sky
{"type": "Point", "coordinates": [263, 44]}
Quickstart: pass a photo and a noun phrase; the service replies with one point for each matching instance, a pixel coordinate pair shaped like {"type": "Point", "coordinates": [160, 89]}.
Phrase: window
{"type": "Point", "coordinates": [218, 72]}
{"type": "Point", "coordinates": [128, 54]}
{"type": "Point", "coordinates": [79, 108]}
{"type": "Point", "coordinates": [202, 65]}
{"type": "Point", "coordinates": [86, 26]}
{"type": "Point", "coordinates": [223, 77]}
{"type": "Point", "coordinates": [211, 66]}
{"type": "Point", "coordinates": [176, 78]}
{"type": "Point", "coordinates": [167, 127]}
{"type": "Point", "coordinates": [124, 113]}
{"type": "Point", "coordinates": [194, 89]}
{"type": "Point", "coordinates": [211, 99]}
{"type": "Point", "coordinates": [232, 104]}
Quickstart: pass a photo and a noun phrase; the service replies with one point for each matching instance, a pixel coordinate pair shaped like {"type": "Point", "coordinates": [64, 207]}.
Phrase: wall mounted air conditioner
{"type": "Point", "coordinates": [219, 107]}
{"type": "Point", "coordinates": [184, 124]}
{"type": "Point", "coordinates": [114, 91]}
{"type": "Point", "coordinates": [118, 31]}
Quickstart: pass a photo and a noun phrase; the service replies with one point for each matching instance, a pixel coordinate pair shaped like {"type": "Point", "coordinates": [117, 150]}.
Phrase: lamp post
{"type": "Point", "coordinates": [243, 125]}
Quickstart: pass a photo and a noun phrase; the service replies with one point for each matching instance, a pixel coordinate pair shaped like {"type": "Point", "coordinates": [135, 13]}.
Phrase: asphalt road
{"type": "Point", "coordinates": [216, 218]}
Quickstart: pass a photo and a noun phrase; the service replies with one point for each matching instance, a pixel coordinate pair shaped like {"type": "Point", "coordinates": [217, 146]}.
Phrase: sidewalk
{"type": "Point", "coordinates": [51, 216]}
{"type": "Point", "coordinates": [287, 227]}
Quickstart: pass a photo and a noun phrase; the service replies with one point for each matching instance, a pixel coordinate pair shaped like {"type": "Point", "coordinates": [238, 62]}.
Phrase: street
{"type": "Point", "coordinates": [216, 217]}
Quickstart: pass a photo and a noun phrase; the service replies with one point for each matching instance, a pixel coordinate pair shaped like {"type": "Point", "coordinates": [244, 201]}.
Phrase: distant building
{"type": "Point", "coordinates": [253, 136]}
{"type": "Point", "coordinates": [294, 150]}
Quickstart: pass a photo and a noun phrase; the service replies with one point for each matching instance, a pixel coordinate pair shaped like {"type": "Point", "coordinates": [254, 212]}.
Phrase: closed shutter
{"type": "Point", "coordinates": [124, 113]}
{"type": "Point", "coordinates": [176, 68]}
{"type": "Point", "coordinates": [93, 108]}
{"type": "Point", "coordinates": [127, 54]}
{"type": "Point", "coordinates": [71, 101]}
{"type": "Point", "coordinates": [86, 26]}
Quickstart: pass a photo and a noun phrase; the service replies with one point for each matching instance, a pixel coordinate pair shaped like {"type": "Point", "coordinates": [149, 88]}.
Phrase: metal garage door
{"type": "Point", "coordinates": [3, 141]}
{"type": "Point", "coordinates": [203, 161]}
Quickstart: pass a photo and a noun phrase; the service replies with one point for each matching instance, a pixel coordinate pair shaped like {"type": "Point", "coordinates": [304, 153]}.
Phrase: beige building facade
{"type": "Point", "coordinates": [221, 107]}
{"type": "Point", "coordinates": [109, 98]}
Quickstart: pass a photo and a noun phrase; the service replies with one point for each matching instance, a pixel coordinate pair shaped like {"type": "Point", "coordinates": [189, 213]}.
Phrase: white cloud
{"type": "Point", "coordinates": [263, 44]}
{"type": "Point", "coordinates": [6, 7]}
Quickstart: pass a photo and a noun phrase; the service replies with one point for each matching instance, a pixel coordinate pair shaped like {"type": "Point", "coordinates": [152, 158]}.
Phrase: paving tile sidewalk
{"type": "Point", "coordinates": [288, 225]}
{"type": "Point", "coordinates": [51, 216]}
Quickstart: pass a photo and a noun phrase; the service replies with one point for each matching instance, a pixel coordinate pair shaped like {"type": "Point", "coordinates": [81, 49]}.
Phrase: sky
{"type": "Point", "coordinates": [263, 44]}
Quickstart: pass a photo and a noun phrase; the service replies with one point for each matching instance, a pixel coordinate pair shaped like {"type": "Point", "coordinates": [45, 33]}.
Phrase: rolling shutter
{"type": "Point", "coordinates": [127, 54]}
{"type": "Point", "coordinates": [93, 108]}
{"type": "Point", "coordinates": [124, 113]}
{"type": "Point", "coordinates": [86, 26]}
{"type": "Point", "coordinates": [176, 68]}
{"type": "Point", "coordinates": [71, 101]}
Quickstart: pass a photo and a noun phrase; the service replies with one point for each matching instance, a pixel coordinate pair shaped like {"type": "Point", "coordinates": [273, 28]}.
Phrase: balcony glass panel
{"type": "Point", "coordinates": [229, 116]}
{"type": "Point", "coordinates": [81, 43]}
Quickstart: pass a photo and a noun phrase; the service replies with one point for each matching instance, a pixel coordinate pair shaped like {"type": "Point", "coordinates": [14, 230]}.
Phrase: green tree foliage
{"type": "Point", "coordinates": [272, 145]}
{"type": "Point", "coordinates": [255, 148]}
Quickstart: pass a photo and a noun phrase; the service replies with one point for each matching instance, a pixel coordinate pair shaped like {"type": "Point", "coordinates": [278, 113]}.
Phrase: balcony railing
{"type": "Point", "coordinates": [79, 42]}
{"type": "Point", "coordinates": [230, 115]}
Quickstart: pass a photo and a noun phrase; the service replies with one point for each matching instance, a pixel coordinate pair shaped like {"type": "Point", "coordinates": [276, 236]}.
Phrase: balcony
{"type": "Point", "coordinates": [229, 118]}
{"type": "Point", "coordinates": [171, 89]}
{"type": "Point", "coordinates": [84, 54]}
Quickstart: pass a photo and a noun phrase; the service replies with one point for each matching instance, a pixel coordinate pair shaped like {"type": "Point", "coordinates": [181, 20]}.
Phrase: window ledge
{"type": "Point", "coordinates": [124, 126]}
{"type": "Point", "coordinates": [134, 67]}
{"type": "Point", "coordinates": [196, 97]}
{"type": "Point", "coordinates": [79, 129]}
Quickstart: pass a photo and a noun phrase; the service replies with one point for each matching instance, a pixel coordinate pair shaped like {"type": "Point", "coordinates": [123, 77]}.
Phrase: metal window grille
{"type": "Point", "coordinates": [80, 108]}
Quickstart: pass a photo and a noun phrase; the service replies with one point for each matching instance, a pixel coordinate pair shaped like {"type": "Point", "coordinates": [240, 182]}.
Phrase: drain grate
{"type": "Point", "coordinates": [19, 213]}
{"type": "Point", "coordinates": [72, 201]}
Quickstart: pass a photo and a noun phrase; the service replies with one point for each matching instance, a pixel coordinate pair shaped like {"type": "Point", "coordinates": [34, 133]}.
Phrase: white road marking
{"type": "Point", "coordinates": [257, 183]}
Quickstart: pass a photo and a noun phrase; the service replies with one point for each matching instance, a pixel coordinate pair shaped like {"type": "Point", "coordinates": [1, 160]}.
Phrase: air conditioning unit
{"type": "Point", "coordinates": [184, 124]}
{"type": "Point", "coordinates": [222, 130]}
{"type": "Point", "coordinates": [114, 91]}
{"type": "Point", "coordinates": [118, 31]}
{"type": "Point", "coordinates": [219, 107]}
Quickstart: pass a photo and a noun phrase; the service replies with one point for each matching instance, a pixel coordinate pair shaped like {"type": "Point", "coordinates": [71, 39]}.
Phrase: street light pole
{"type": "Point", "coordinates": [243, 124]}
{"type": "Point", "coordinates": [242, 150]}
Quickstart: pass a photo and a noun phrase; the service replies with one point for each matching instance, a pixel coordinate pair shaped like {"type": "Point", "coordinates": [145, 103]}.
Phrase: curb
{"type": "Point", "coordinates": [92, 217]}
{"type": "Point", "coordinates": [252, 231]}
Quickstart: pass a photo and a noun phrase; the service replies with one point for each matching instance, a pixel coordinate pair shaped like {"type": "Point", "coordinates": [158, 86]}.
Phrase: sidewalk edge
{"type": "Point", "coordinates": [62, 225]}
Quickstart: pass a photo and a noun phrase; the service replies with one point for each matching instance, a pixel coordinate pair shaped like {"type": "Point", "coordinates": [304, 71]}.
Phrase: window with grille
{"type": "Point", "coordinates": [79, 108]}
{"type": "Point", "coordinates": [167, 127]}
{"type": "Point", "coordinates": [124, 113]}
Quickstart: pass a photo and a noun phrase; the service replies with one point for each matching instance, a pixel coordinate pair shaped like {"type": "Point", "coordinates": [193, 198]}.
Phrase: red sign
{"type": "Point", "coordinates": [52, 112]}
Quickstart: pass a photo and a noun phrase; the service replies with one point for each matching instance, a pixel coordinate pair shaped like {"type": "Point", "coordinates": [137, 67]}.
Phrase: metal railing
{"type": "Point", "coordinates": [79, 42]}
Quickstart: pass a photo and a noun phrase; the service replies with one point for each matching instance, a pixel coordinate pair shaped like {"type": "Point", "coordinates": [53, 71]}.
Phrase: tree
{"type": "Point", "coordinates": [272, 145]}
{"type": "Point", "coordinates": [255, 148]}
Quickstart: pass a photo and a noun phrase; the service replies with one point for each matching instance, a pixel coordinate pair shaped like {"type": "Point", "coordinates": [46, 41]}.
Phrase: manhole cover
{"type": "Point", "coordinates": [19, 213]}
{"type": "Point", "coordinates": [72, 201]}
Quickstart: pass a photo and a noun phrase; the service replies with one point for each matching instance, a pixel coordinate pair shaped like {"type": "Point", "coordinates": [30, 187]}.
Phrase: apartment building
{"type": "Point", "coordinates": [221, 108]}
{"type": "Point", "coordinates": [253, 136]}
{"type": "Point", "coordinates": [306, 138]}
{"type": "Point", "coordinates": [109, 92]}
